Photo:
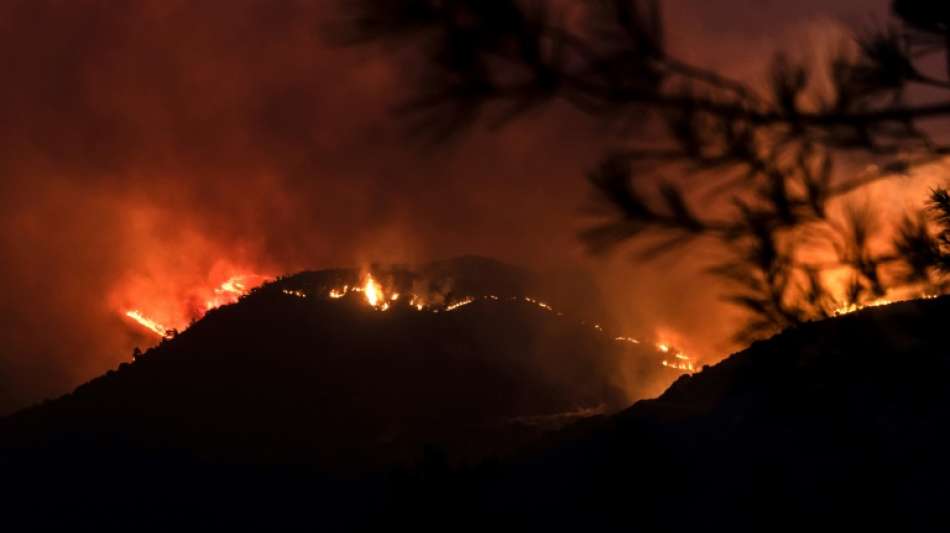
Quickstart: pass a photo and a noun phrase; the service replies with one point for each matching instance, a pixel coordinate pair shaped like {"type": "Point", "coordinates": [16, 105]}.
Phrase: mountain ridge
{"type": "Point", "coordinates": [840, 422]}
{"type": "Point", "coordinates": [288, 357]}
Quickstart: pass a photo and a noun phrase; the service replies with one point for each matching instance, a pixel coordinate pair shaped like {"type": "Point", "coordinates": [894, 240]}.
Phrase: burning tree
{"type": "Point", "coordinates": [772, 164]}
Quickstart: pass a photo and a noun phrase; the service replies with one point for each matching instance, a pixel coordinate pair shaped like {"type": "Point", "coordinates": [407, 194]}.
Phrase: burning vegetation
{"type": "Point", "coordinates": [228, 292]}
{"type": "Point", "coordinates": [851, 308]}
{"type": "Point", "coordinates": [147, 323]}
{"type": "Point", "coordinates": [384, 293]}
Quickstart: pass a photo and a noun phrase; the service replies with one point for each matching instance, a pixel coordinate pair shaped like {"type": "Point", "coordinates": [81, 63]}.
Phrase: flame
{"type": "Point", "coordinates": [372, 290]}
{"type": "Point", "coordinates": [381, 298]}
{"type": "Point", "coordinates": [682, 363]}
{"type": "Point", "coordinates": [377, 296]}
{"type": "Point", "coordinates": [175, 315]}
{"type": "Point", "coordinates": [538, 303]}
{"type": "Point", "coordinates": [852, 307]}
{"type": "Point", "coordinates": [627, 339]}
{"type": "Point", "coordinates": [234, 286]}
{"type": "Point", "coordinates": [680, 360]}
{"type": "Point", "coordinates": [148, 323]}
{"type": "Point", "coordinates": [232, 290]}
{"type": "Point", "coordinates": [458, 304]}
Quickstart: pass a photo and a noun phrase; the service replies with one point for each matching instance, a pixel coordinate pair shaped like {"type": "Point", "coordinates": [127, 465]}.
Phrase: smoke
{"type": "Point", "coordinates": [150, 148]}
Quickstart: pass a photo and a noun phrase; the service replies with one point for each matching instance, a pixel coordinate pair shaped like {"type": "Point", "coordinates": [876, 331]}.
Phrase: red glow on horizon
{"type": "Point", "coordinates": [164, 312]}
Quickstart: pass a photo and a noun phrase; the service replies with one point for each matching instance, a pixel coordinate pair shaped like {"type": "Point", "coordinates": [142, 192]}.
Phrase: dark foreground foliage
{"type": "Point", "coordinates": [764, 171]}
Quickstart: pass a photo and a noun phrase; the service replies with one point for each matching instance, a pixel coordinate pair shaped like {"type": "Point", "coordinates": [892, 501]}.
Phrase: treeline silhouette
{"type": "Point", "coordinates": [838, 423]}
{"type": "Point", "coordinates": [761, 170]}
{"type": "Point", "coordinates": [338, 385]}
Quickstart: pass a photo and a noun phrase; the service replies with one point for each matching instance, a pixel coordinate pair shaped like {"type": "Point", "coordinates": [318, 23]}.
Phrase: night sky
{"type": "Point", "coordinates": [151, 147]}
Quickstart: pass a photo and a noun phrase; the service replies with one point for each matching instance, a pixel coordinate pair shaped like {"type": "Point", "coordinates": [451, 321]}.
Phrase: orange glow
{"type": "Point", "coordinates": [162, 313]}
{"type": "Point", "coordinates": [680, 363]}
{"type": "Point", "coordinates": [850, 308]}
{"type": "Point", "coordinates": [373, 292]}
{"type": "Point", "coordinates": [339, 293]}
{"type": "Point", "coordinates": [458, 304]}
{"type": "Point", "coordinates": [148, 323]}
{"type": "Point", "coordinates": [631, 340]}
{"type": "Point", "coordinates": [538, 303]}
{"type": "Point", "coordinates": [296, 293]}
{"type": "Point", "coordinates": [680, 360]}
{"type": "Point", "coordinates": [231, 290]}
{"type": "Point", "coordinates": [417, 302]}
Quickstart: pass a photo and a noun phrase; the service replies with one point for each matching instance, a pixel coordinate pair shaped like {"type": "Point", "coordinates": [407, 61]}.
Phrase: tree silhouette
{"type": "Point", "coordinates": [770, 166]}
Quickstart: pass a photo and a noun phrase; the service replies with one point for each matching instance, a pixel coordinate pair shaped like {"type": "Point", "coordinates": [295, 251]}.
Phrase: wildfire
{"type": "Point", "coordinates": [147, 323]}
{"type": "Point", "coordinates": [298, 294]}
{"type": "Point", "coordinates": [382, 298]}
{"type": "Point", "coordinates": [627, 339]}
{"type": "Point", "coordinates": [226, 293]}
{"type": "Point", "coordinates": [458, 304]}
{"type": "Point", "coordinates": [232, 290]}
{"type": "Point", "coordinates": [539, 303]}
{"type": "Point", "coordinates": [680, 362]}
{"type": "Point", "coordinates": [234, 287]}
{"type": "Point", "coordinates": [850, 308]}
{"type": "Point", "coordinates": [372, 291]}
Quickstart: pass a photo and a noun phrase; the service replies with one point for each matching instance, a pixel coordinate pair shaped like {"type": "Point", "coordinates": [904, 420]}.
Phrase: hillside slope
{"type": "Point", "coordinates": [840, 423]}
{"type": "Point", "coordinates": [291, 376]}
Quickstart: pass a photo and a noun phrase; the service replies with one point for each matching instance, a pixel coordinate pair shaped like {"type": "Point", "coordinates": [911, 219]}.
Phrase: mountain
{"type": "Point", "coordinates": [292, 409]}
{"type": "Point", "coordinates": [463, 358]}
{"type": "Point", "coordinates": [839, 424]}
{"type": "Point", "coordinates": [290, 374]}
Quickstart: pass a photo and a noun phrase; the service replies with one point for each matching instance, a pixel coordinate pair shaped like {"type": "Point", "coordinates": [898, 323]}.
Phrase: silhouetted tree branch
{"type": "Point", "coordinates": [767, 157]}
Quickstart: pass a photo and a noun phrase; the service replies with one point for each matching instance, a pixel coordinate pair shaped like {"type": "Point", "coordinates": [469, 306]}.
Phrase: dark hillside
{"type": "Point", "coordinates": [291, 408]}
{"type": "Point", "coordinates": [838, 423]}
{"type": "Point", "coordinates": [291, 376]}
